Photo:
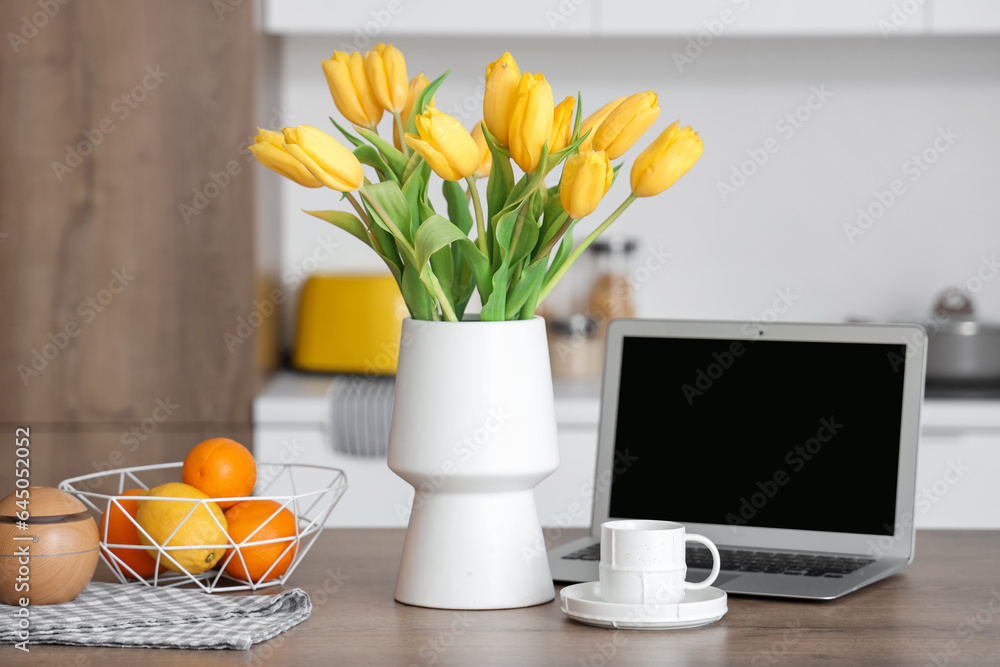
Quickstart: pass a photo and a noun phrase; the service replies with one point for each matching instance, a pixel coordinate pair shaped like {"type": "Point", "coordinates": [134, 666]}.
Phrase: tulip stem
{"type": "Point", "coordinates": [367, 221]}
{"type": "Point", "coordinates": [577, 251]}
{"type": "Point", "coordinates": [401, 132]}
{"type": "Point", "coordinates": [480, 225]}
{"type": "Point", "coordinates": [547, 248]}
{"type": "Point", "coordinates": [519, 224]}
{"type": "Point", "coordinates": [411, 253]}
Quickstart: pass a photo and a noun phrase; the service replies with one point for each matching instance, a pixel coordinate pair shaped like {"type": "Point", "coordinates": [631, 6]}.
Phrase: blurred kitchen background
{"type": "Point", "coordinates": [849, 173]}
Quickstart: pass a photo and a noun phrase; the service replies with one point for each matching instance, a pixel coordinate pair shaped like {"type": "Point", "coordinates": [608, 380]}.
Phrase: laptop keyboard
{"type": "Point", "coordinates": [768, 562]}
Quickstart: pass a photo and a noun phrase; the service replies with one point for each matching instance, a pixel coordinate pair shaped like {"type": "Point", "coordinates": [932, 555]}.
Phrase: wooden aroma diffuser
{"type": "Point", "coordinates": [62, 547]}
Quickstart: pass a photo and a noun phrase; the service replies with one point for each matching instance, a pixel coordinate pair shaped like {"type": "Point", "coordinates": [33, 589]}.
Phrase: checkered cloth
{"type": "Point", "coordinates": [135, 616]}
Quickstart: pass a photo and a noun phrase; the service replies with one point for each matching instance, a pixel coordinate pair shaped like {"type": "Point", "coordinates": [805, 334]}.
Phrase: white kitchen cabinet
{"type": "Point", "coordinates": [965, 17]}
{"type": "Point", "coordinates": [375, 496]}
{"type": "Point", "coordinates": [957, 478]}
{"type": "Point", "coordinates": [368, 22]}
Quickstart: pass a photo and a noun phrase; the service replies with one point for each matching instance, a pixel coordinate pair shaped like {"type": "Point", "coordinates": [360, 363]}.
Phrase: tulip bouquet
{"type": "Point", "coordinates": [524, 238]}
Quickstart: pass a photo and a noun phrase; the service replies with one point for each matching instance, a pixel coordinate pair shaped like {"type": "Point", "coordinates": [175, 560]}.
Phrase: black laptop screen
{"type": "Point", "coordinates": [775, 434]}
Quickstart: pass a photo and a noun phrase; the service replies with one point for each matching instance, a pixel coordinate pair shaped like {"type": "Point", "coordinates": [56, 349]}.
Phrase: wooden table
{"type": "Point", "coordinates": [944, 609]}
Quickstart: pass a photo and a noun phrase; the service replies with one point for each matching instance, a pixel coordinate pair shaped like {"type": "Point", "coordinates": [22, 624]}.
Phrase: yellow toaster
{"type": "Point", "coordinates": [349, 324]}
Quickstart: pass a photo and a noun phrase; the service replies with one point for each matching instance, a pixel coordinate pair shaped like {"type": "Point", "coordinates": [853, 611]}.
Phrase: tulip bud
{"type": "Point", "coordinates": [665, 160]}
{"type": "Point", "coordinates": [586, 178]}
{"type": "Point", "coordinates": [416, 86]}
{"type": "Point", "coordinates": [351, 90]}
{"type": "Point", "coordinates": [530, 122]}
{"type": "Point", "coordinates": [267, 148]}
{"type": "Point", "coordinates": [626, 124]}
{"type": "Point", "coordinates": [325, 158]}
{"type": "Point", "coordinates": [562, 125]}
{"type": "Point", "coordinates": [386, 69]}
{"type": "Point", "coordinates": [593, 121]}
{"type": "Point", "coordinates": [446, 146]}
{"type": "Point", "coordinates": [485, 156]}
{"type": "Point", "coordinates": [502, 76]}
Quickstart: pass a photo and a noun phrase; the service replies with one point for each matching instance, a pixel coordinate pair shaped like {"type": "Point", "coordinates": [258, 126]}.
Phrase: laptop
{"type": "Point", "coordinates": [793, 447]}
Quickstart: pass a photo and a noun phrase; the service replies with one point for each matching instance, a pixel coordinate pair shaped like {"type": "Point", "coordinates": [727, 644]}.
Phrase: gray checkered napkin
{"type": "Point", "coordinates": [137, 616]}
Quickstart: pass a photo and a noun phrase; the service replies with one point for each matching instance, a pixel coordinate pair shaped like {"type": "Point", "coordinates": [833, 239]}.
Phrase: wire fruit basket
{"type": "Point", "coordinates": [281, 483]}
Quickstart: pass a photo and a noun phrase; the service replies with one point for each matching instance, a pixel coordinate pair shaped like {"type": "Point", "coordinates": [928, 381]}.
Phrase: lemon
{"type": "Point", "coordinates": [197, 528]}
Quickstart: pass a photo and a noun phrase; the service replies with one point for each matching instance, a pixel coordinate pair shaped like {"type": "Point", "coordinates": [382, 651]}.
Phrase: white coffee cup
{"type": "Point", "coordinates": [643, 562]}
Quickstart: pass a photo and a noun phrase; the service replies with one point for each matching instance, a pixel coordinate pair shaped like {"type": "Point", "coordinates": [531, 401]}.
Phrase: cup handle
{"type": "Point", "coordinates": [715, 563]}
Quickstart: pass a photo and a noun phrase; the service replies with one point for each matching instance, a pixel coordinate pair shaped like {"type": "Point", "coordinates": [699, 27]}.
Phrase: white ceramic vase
{"type": "Point", "coordinates": [473, 431]}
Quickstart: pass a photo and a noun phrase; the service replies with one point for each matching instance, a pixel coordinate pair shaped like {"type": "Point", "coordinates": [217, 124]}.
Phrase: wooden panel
{"type": "Point", "coordinates": [118, 115]}
{"type": "Point", "coordinates": [55, 456]}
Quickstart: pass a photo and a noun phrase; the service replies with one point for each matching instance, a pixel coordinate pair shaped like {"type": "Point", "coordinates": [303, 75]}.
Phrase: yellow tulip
{"type": "Point", "coordinates": [386, 69]}
{"type": "Point", "coordinates": [502, 76]}
{"type": "Point", "coordinates": [530, 122]}
{"type": "Point", "coordinates": [351, 90]}
{"type": "Point", "coordinates": [665, 160]}
{"type": "Point", "coordinates": [591, 122]}
{"type": "Point", "coordinates": [267, 148]}
{"type": "Point", "coordinates": [325, 158]}
{"type": "Point", "coordinates": [626, 124]}
{"type": "Point", "coordinates": [485, 156]}
{"type": "Point", "coordinates": [562, 125]}
{"type": "Point", "coordinates": [586, 178]}
{"type": "Point", "coordinates": [416, 86]}
{"type": "Point", "coordinates": [446, 146]}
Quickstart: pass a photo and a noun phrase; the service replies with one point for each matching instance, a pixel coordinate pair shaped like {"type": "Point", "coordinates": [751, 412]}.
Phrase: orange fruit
{"type": "Point", "coordinates": [220, 468]}
{"type": "Point", "coordinates": [116, 528]}
{"type": "Point", "coordinates": [256, 521]}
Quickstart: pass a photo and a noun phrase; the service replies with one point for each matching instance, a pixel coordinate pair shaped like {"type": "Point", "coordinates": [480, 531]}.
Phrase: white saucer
{"type": "Point", "coordinates": [583, 603]}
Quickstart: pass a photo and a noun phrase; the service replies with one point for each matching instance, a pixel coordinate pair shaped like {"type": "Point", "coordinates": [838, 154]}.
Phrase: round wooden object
{"type": "Point", "coordinates": [62, 547]}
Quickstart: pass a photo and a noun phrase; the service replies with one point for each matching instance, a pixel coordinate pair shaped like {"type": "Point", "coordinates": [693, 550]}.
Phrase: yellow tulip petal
{"type": "Point", "coordinates": [386, 70]}
{"type": "Point", "coordinates": [331, 156]}
{"type": "Point", "coordinates": [632, 132]}
{"type": "Point", "coordinates": [626, 123]}
{"type": "Point", "coordinates": [329, 180]}
{"type": "Point", "coordinates": [531, 121]}
{"type": "Point", "coordinates": [277, 159]}
{"type": "Point", "coordinates": [585, 180]}
{"type": "Point", "coordinates": [562, 125]}
{"type": "Point", "coordinates": [433, 157]}
{"type": "Point", "coordinates": [502, 76]}
{"type": "Point", "coordinates": [485, 156]}
{"type": "Point", "coordinates": [591, 122]}
{"type": "Point", "coordinates": [348, 82]}
{"type": "Point", "coordinates": [268, 136]}
{"type": "Point", "coordinates": [669, 157]}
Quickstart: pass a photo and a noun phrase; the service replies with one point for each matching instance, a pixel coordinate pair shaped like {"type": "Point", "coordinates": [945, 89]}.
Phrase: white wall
{"type": "Point", "coordinates": [783, 229]}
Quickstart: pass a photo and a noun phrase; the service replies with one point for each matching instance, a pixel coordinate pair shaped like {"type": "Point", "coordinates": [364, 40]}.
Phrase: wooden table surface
{"type": "Point", "coordinates": [943, 610]}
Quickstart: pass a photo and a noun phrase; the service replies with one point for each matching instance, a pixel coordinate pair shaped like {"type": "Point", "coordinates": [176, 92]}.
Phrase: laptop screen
{"type": "Point", "coordinates": [774, 434]}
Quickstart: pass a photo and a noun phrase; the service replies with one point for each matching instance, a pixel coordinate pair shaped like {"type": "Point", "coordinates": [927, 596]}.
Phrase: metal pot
{"type": "Point", "coordinates": [962, 350]}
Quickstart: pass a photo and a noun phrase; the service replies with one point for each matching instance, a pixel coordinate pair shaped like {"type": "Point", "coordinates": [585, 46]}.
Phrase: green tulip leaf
{"type": "Point", "coordinates": [395, 158]}
{"type": "Point", "coordinates": [420, 104]}
{"type": "Point", "coordinates": [528, 283]}
{"type": "Point", "coordinates": [436, 233]}
{"type": "Point", "coordinates": [420, 303]}
{"type": "Point", "coordinates": [388, 208]}
{"type": "Point", "coordinates": [411, 166]}
{"type": "Point", "coordinates": [368, 155]}
{"type": "Point", "coordinates": [562, 254]}
{"type": "Point", "coordinates": [349, 223]}
{"type": "Point", "coordinates": [458, 205]}
{"type": "Point", "coordinates": [501, 176]}
{"type": "Point", "coordinates": [579, 118]}
{"type": "Point", "coordinates": [350, 137]}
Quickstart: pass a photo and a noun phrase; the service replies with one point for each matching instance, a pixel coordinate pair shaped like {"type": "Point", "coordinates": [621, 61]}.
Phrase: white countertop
{"type": "Point", "coordinates": [301, 398]}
